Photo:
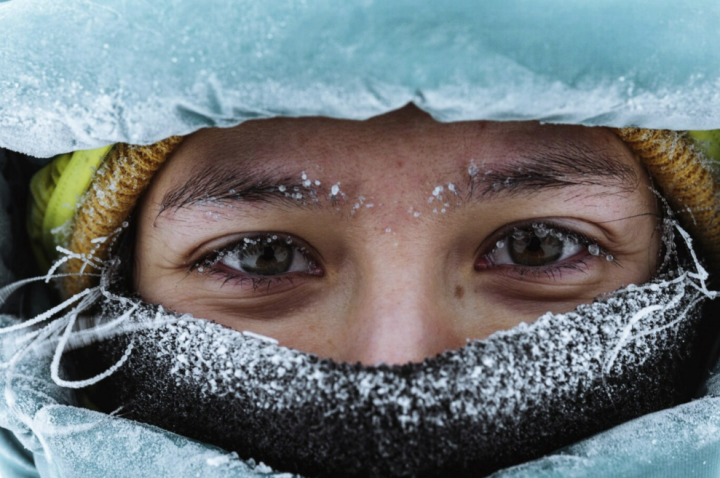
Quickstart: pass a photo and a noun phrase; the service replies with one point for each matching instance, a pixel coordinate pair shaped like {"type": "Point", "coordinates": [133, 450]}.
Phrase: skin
{"type": "Point", "coordinates": [395, 282]}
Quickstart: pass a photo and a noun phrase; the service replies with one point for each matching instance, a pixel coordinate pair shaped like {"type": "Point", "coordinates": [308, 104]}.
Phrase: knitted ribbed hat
{"type": "Point", "coordinates": [117, 176]}
{"type": "Point", "coordinates": [681, 165]}
{"type": "Point", "coordinates": [96, 209]}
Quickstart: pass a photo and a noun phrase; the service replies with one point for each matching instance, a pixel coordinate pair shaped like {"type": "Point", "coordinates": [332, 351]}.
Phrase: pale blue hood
{"type": "Point", "coordinates": [75, 75]}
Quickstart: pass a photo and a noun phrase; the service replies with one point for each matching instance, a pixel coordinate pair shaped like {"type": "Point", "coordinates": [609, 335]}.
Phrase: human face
{"type": "Point", "coordinates": [396, 238]}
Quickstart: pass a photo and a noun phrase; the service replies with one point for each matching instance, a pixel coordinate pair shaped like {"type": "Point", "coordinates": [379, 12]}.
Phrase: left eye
{"type": "Point", "coordinates": [535, 247]}
{"type": "Point", "coordinates": [266, 258]}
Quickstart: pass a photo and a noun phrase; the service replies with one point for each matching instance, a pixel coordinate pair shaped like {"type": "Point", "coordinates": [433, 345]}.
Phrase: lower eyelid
{"type": "Point", "coordinates": [572, 270]}
{"type": "Point", "coordinates": [248, 281]}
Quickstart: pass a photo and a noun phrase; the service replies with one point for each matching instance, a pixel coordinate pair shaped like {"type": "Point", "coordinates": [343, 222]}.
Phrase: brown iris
{"type": "Point", "coordinates": [266, 259]}
{"type": "Point", "coordinates": [534, 251]}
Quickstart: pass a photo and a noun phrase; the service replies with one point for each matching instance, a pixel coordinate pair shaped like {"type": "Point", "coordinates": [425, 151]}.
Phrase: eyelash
{"type": "Point", "coordinates": [551, 271]}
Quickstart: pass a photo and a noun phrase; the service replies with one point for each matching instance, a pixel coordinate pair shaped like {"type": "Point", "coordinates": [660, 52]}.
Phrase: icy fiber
{"type": "Point", "coordinates": [77, 74]}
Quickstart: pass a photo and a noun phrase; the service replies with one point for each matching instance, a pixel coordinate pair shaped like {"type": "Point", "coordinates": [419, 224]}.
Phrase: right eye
{"type": "Point", "coordinates": [533, 249]}
{"type": "Point", "coordinates": [266, 258]}
{"type": "Point", "coordinates": [537, 246]}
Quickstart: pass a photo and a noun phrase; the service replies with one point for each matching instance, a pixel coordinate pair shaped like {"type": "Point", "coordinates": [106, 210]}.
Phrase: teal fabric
{"type": "Point", "coordinates": [15, 459]}
{"type": "Point", "coordinates": [79, 75]}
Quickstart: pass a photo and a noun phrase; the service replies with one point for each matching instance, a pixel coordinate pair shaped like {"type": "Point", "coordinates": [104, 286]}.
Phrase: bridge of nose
{"type": "Point", "coordinates": [399, 313]}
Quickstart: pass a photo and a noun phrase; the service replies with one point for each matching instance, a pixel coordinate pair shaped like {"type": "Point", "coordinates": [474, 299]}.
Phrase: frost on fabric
{"type": "Point", "coordinates": [77, 75]}
{"type": "Point", "coordinates": [492, 403]}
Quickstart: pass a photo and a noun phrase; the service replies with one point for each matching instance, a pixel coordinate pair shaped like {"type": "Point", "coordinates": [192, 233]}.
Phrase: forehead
{"type": "Point", "coordinates": [407, 139]}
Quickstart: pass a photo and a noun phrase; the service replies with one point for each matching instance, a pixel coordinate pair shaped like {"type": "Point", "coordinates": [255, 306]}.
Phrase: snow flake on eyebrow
{"type": "Point", "coordinates": [473, 169]}
{"type": "Point", "coordinates": [335, 193]}
{"type": "Point", "coordinates": [305, 181]}
{"type": "Point", "coordinates": [308, 182]}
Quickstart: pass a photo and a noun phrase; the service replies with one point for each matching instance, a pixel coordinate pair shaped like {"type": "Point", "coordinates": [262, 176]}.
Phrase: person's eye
{"type": "Point", "coordinates": [266, 258]}
{"type": "Point", "coordinates": [261, 256]}
{"type": "Point", "coordinates": [539, 246]}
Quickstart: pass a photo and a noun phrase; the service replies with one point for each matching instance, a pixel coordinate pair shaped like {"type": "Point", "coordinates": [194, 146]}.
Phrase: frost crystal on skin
{"type": "Point", "coordinates": [473, 170]}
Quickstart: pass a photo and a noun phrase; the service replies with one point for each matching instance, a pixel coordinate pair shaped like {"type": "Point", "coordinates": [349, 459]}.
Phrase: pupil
{"type": "Point", "coordinates": [535, 246]}
{"type": "Point", "coordinates": [534, 251]}
{"type": "Point", "coordinates": [268, 254]}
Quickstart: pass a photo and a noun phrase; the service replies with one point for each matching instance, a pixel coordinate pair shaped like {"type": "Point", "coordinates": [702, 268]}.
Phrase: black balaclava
{"type": "Point", "coordinates": [493, 403]}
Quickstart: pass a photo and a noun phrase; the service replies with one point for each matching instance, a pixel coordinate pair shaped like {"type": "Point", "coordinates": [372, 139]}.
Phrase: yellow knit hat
{"type": "Point", "coordinates": [681, 164]}
{"type": "Point", "coordinates": [79, 200]}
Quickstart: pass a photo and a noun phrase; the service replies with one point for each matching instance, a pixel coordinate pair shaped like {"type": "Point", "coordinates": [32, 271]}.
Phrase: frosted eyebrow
{"type": "Point", "coordinates": [552, 167]}
{"type": "Point", "coordinates": [548, 167]}
{"type": "Point", "coordinates": [217, 184]}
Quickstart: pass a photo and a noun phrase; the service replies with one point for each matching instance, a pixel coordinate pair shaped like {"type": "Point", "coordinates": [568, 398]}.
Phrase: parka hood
{"type": "Point", "coordinates": [80, 75]}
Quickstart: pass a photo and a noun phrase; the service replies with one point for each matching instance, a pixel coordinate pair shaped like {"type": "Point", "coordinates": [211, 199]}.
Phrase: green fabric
{"type": "Point", "coordinates": [55, 192]}
{"type": "Point", "coordinates": [710, 142]}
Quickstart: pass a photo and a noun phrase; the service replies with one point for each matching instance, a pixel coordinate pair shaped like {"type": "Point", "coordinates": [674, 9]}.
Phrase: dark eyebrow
{"type": "Point", "coordinates": [216, 184]}
{"type": "Point", "coordinates": [551, 167]}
